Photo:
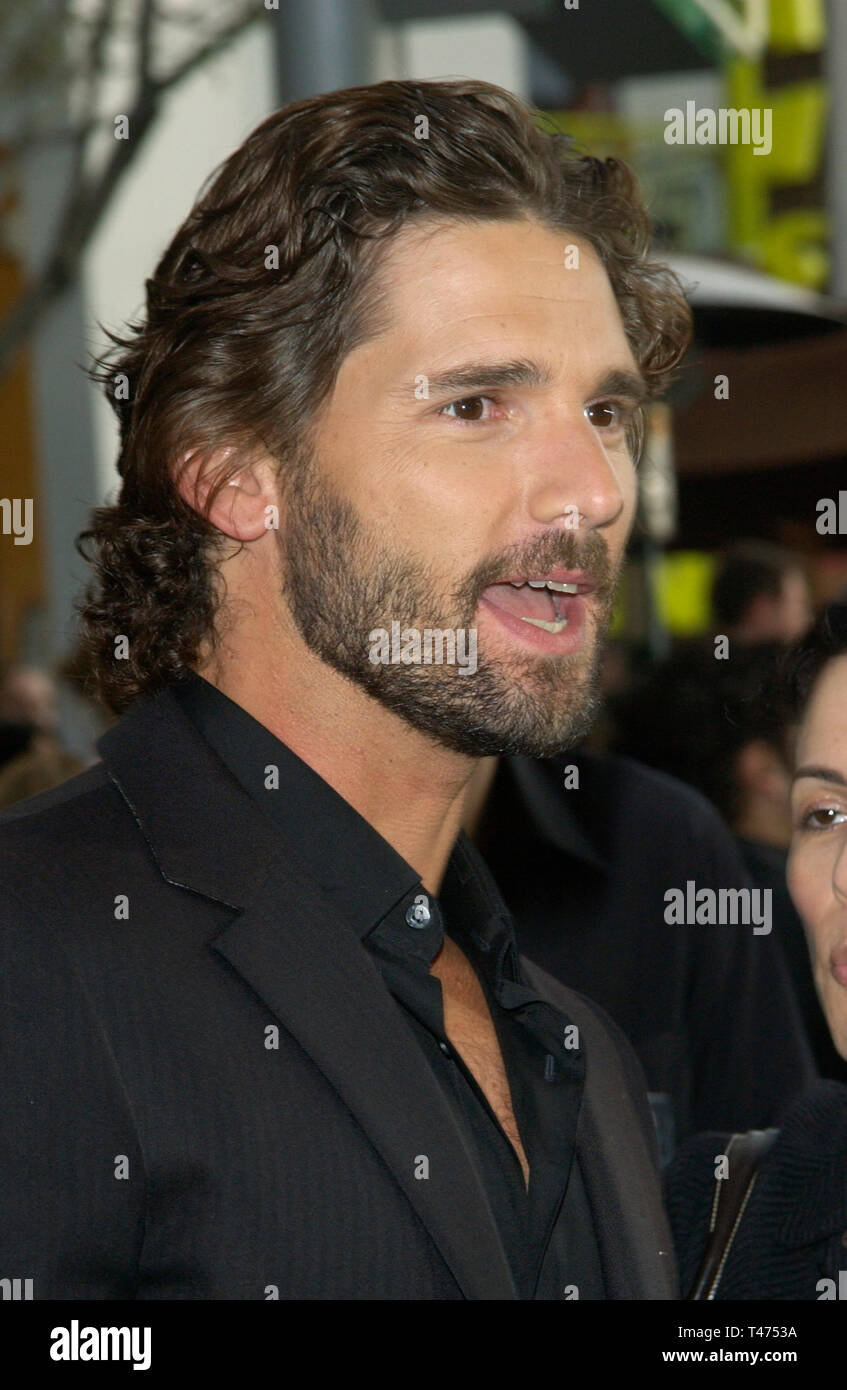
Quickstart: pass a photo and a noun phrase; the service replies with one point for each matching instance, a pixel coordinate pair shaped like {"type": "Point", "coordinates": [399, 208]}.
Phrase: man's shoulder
{"type": "Point", "coordinates": [666, 796]}
{"type": "Point", "coordinates": [66, 801]}
{"type": "Point", "coordinates": [50, 841]}
{"type": "Point", "coordinates": [645, 822]}
{"type": "Point", "coordinates": [63, 815]}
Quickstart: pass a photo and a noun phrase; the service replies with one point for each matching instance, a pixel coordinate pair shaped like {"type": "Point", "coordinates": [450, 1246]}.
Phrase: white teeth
{"type": "Point", "coordinates": [550, 584]}
{"type": "Point", "coordinates": [517, 583]}
{"type": "Point", "coordinates": [548, 627]}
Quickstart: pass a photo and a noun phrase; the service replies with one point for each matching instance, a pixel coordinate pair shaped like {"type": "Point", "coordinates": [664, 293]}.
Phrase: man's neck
{"type": "Point", "coordinates": [408, 787]}
{"type": "Point", "coordinates": [477, 794]}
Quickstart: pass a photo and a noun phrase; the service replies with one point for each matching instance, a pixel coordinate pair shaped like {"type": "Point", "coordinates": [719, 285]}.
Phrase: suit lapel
{"type": "Point", "coordinates": [294, 950]}
{"type": "Point", "coordinates": [317, 978]}
{"type": "Point", "coordinates": [619, 1167]}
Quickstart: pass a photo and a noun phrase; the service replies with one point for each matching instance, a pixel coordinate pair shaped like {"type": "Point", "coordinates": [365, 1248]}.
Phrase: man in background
{"type": "Point", "coordinates": [32, 758]}
{"type": "Point", "coordinates": [583, 847]}
{"type": "Point", "coordinates": [761, 594]}
{"type": "Point", "coordinates": [722, 727]}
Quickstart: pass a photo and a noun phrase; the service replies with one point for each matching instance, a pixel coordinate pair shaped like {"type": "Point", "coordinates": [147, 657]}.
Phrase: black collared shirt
{"type": "Point", "coordinates": [547, 1231]}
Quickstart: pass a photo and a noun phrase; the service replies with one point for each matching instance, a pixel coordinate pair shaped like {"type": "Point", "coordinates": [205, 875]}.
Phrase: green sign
{"type": "Point", "coordinates": [695, 24]}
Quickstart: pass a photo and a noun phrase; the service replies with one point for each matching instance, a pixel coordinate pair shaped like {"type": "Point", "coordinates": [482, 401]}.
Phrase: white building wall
{"type": "Point", "coordinates": [203, 121]}
{"type": "Point", "coordinates": [207, 117]}
{"type": "Point", "coordinates": [490, 47]}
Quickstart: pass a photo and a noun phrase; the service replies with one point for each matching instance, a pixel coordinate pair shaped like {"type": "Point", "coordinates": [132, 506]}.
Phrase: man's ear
{"type": "Point", "coordinates": [245, 508]}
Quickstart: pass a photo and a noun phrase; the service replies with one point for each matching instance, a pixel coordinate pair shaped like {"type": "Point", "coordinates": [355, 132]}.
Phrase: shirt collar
{"type": "Point", "coordinates": [358, 869]}
{"type": "Point", "coordinates": [355, 866]}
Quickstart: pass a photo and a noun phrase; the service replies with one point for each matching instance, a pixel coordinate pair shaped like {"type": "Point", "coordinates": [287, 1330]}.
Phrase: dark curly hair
{"type": "Point", "coordinates": [268, 285]}
{"type": "Point", "coordinates": [805, 661]}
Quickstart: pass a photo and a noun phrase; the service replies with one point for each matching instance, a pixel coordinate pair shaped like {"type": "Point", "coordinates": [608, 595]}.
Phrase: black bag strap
{"type": "Point", "coordinates": [744, 1153]}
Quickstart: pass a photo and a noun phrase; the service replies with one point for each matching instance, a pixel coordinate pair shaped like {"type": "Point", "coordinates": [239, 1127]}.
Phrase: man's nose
{"type": "Point", "coordinates": [578, 482]}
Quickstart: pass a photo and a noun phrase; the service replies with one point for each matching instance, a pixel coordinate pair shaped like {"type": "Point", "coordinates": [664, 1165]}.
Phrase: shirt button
{"type": "Point", "coordinates": [418, 914]}
{"type": "Point", "coordinates": [445, 1049]}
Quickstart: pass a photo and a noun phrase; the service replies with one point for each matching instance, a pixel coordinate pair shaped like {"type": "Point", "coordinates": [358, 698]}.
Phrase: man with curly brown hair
{"type": "Point", "coordinates": [383, 410]}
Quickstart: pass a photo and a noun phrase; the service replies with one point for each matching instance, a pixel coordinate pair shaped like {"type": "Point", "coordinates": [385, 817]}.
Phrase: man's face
{"type": "Point", "coordinates": [478, 441]}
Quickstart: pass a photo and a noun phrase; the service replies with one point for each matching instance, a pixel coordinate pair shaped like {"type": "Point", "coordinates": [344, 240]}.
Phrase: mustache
{"type": "Point", "coordinates": [588, 554]}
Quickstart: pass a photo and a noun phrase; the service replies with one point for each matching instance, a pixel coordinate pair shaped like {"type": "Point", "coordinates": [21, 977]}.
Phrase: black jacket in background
{"type": "Point", "coordinates": [708, 1009]}
{"type": "Point", "coordinates": [793, 1232]}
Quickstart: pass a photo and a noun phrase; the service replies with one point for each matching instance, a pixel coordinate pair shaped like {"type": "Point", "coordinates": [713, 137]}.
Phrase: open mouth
{"type": "Point", "coordinates": [550, 603]}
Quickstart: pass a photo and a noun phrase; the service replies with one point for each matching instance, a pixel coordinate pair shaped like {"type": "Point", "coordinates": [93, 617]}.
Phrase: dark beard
{"type": "Point", "coordinates": [341, 582]}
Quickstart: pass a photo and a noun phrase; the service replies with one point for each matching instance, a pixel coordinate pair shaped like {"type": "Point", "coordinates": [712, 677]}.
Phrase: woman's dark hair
{"type": "Point", "coordinates": [267, 286]}
{"type": "Point", "coordinates": [805, 661]}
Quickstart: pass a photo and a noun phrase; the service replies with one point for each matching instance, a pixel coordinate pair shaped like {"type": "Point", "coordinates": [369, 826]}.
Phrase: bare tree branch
{"type": "Point", "coordinates": [90, 194]}
{"type": "Point", "coordinates": [27, 32]}
{"type": "Point", "coordinates": [146, 17]}
{"type": "Point", "coordinates": [92, 74]}
{"type": "Point", "coordinates": [224, 36]}
{"type": "Point", "coordinates": [65, 134]}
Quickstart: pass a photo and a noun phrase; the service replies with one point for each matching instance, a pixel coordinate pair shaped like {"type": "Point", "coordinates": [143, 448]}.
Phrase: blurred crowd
{"type": "Point", "coordinates": [32, 758]}
{"type": "Point", "coordinates": [716, 714]}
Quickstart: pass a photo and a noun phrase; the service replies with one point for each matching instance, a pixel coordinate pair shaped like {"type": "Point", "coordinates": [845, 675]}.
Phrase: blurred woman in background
{"type": "Point", "coordinates": [789, 1237]}
{"type": "Point", "coordinates": [741, 758]}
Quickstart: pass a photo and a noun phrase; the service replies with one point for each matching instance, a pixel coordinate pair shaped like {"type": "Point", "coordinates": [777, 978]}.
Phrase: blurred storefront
{"type": "Point", "coordinates": [755, 458]}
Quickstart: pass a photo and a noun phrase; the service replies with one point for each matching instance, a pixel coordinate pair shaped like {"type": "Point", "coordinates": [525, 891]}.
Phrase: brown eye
{"type": "Point", "coordinates": [823, 816]}
{"type": "Point", "coordinates": [603, 414]}
{"type": "Point", "coordinates": [471, 408]}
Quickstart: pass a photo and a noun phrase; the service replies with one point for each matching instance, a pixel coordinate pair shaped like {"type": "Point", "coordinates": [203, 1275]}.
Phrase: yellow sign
{"type": "Point", "coordinates": [789, 241]}
{"type": "Point", "coordinates": [683, 591]}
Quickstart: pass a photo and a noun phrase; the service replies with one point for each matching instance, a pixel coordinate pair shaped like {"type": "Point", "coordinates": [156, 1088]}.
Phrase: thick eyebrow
{"type": "Point", "coordinates": [492, 376]}
{"type": "Point", "coordinates": [630, 385]}
{"type": "Point", "coordinates": [821, 774]}
{"type": "Point", "coordinates": [469, 376]}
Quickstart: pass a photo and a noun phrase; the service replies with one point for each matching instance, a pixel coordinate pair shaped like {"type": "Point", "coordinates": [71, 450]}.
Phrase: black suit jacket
{"type": "Point", "coordinates": [206, 1089]}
